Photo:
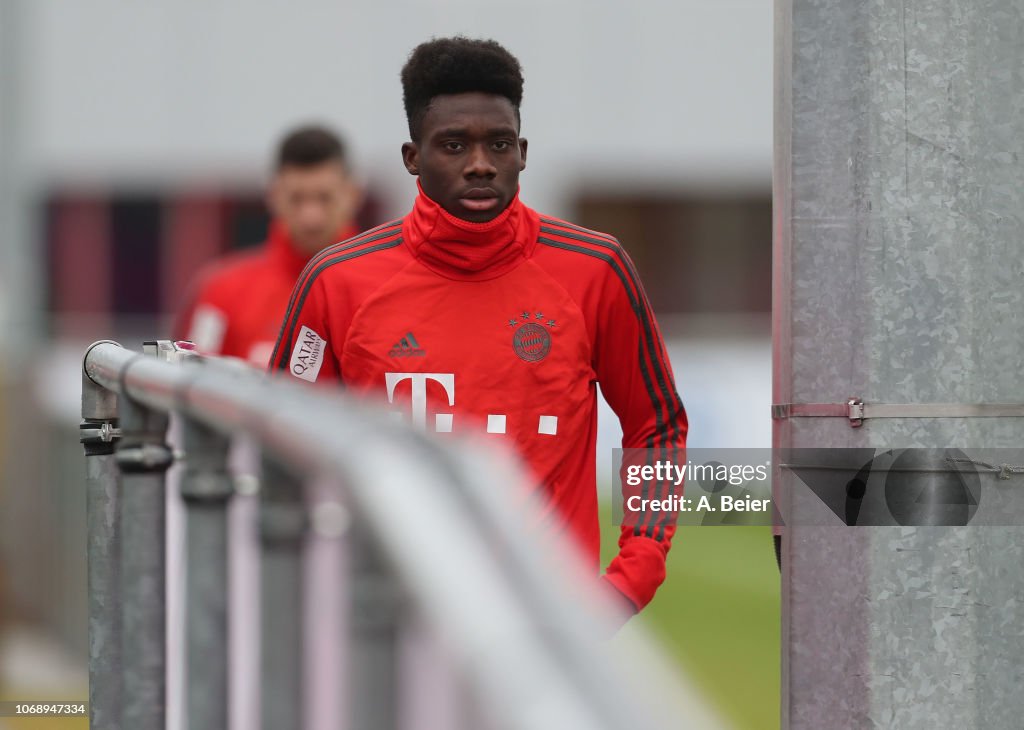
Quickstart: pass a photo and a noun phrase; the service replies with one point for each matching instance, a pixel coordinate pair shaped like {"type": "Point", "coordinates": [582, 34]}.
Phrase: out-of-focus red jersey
{"type": "Point", "coordinates": [501, 328]}
{"type": "Point", "coordinates": [237, 302]}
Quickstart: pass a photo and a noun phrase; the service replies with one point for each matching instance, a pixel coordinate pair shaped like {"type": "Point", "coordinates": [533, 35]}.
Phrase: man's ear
{"type": "Point", "coordinates": [522, 153]}
{"type": "Point", "coordinates": [411, 157]}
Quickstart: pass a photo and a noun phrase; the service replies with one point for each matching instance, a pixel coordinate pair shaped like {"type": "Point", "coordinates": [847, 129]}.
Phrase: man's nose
{"type": "Point", "coordinates": [479, 163]}
{"type": "Point", "coordinates": [311, 214]}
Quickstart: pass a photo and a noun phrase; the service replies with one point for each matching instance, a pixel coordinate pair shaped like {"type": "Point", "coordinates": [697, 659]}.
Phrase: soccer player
{"type": "Point", "coordinates": [236, 305]}
{"type": "Point", "coordinates": [474, 313]}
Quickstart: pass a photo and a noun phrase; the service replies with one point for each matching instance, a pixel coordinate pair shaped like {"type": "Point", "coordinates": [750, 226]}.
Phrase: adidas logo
{"type": "Point", "coordinates": [407, 347]}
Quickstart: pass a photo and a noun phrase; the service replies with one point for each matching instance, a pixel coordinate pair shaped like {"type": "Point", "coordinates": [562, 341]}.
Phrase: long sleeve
{"type": "Point", "coordinates": [636, 379]}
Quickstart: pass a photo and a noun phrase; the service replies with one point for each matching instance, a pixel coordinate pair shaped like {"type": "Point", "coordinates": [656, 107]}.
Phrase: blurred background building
{"type": "Point", "coordinates": [134, 145]}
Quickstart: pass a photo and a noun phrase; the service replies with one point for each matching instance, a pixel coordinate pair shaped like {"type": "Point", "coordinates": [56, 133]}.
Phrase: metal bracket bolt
{"type": "Point", "coordinates": [105, 432]}
{"type": "Point", "coordinates": [856, 414]}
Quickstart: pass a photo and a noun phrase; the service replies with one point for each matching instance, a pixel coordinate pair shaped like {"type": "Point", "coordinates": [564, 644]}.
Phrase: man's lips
{"type": "Point", "coordinates": [479, 199]}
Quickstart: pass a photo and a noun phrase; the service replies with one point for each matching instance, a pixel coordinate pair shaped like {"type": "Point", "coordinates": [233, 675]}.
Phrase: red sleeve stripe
{"type": "Point", "coordinates": [355, 248]}
{"type": "Point", "coordinates": [668, 407]}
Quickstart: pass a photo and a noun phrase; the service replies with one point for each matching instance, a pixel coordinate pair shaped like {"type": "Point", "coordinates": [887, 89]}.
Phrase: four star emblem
{"type": "Point", "coordinates": [526, 317]}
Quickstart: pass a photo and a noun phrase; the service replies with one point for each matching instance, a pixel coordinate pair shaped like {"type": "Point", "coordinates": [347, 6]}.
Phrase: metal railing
{"type": "Point", "coordinates": [423, 531]}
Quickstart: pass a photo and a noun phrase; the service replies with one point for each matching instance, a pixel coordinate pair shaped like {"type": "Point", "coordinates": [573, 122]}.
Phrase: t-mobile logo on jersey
{"type": "Point", "coordinates": [547, 425]}
{"type": "Point", "coordinates": [419, 395]}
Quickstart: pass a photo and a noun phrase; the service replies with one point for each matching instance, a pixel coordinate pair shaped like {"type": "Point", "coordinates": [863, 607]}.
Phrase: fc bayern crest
{"type": "Point", "coordinates": [531, 339]}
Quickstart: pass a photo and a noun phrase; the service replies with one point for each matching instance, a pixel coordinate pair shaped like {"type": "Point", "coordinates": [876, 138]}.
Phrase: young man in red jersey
{"type": "Point", "coordinates": [476, 314]}
{"type": "Point", "coordinates": [236, 305]}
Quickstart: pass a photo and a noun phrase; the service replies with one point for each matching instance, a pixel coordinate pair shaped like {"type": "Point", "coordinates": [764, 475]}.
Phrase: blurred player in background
{"type": "Point", "coordinates": [237, 303]}
{"type": "Point", "coordinates": [476, 314]}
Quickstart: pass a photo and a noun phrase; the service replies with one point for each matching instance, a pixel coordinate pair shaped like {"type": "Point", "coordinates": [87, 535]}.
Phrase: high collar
{"type": "Point", "coordinates": [459, 249]}
{"type": "Point", "coordinates": [287, 255]}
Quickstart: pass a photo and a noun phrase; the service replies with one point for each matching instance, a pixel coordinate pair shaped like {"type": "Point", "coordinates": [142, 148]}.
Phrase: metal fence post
{"type": "Point", "coordinates": [99, 431]}
{"type": "Point", "coordinates": [206, 487]}
{"type": "Point", "coordinates": [283, 523]}
{"type": "Point", "coordinates": [374, 624]}
{"type": "Point", "coordinates": [504, 645]}
{"type": "Point", "coordinates": [899, 241]}
{"type": "Point", "coordinates": [143, 457]}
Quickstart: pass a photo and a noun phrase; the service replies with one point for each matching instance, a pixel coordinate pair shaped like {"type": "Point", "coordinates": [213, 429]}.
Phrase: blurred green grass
{"type": "Point", "coordinates": [718, 616]}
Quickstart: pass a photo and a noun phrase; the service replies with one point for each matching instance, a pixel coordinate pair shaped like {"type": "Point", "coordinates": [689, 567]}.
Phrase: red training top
{"type": "Point", "coordinates": [503, 328]}
{"type": "Point", "coordinates": [237, 302]}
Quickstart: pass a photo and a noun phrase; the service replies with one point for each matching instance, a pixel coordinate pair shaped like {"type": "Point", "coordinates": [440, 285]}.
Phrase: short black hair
{"type": "Point", "coordinates": [454, 66]}
{"type": "Point", "coordinates": [309, 146]}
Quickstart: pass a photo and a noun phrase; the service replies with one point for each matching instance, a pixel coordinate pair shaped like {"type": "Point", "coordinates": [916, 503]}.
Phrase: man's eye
{"type": "Point", "coordinates": [502, 144]}
{"type": "Point", "coordinates": [453, 146]}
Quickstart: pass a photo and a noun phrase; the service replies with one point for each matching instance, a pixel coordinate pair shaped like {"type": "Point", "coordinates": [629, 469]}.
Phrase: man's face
{"type": "Point", "coordinates": [314, 203]}
{"type": "Point", "coordinates": [469, 155]}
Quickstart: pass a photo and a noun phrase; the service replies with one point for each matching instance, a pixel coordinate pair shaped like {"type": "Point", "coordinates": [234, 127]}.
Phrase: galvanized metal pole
{"type": "Point", "coordinates": [206, 487]}
{"type": "Point", "coordinates": [899, 246]}
{"type": "Point", "coordinates": [143, 457]}
{"type": "Point", "coordinates": [99, 432]}
{"type": "Point", "coordinates": [373, 647]}
{"type": "Point", "coordinates": [283, 525]}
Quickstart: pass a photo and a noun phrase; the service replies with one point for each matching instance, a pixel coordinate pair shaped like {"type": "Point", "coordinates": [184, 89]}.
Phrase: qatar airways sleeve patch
{"type": "Point", "coordinates": [307, 355]}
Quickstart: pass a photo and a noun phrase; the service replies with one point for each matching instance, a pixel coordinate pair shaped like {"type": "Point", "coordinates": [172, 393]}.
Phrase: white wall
{"type": "Point", "coordinates": [647, 92]}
